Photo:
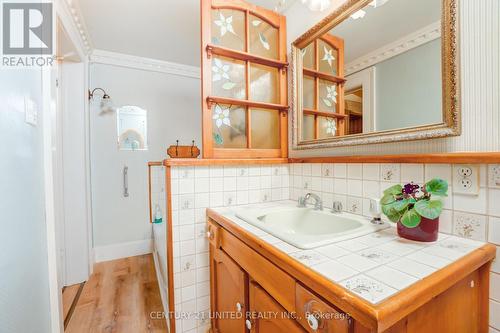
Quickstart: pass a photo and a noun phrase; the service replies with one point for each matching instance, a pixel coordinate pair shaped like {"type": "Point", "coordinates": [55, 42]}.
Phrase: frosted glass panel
{"type": "Point", "coordinates": [308, 127]}
{"type": "Point", "coordinates": [229, 126]}
{"type": "Point", "coordinates": [308, 92]}
{"type": "Point", "coordinates": [327, 127]}
{"type": "Point", "coordinates": [264, 85]}
{"type": "Point", "coordinates": [228, 28]}
{"type": "Point", "coordinates": [328, 96]}
{"type": "Point", "coordinates": [263, 38]}
{"type": "Point", "coordinates": [328, 58]}
{"type": "Point", "coordinates": [308, 58]}
{"type": "Point", "coordinates": [228, 78]}
{"type": "Point", "coordinates": [265, 129]}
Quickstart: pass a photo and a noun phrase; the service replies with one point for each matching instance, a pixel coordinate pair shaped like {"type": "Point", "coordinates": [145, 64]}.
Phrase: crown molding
{"type": "Point", "coordinates": [411, 41]}
{"type": "Point", "coordinates": [69, 13]}
{"type": "Point", "coordinates": [142, 63]}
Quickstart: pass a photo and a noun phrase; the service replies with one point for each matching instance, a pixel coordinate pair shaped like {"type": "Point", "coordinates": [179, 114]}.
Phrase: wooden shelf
{"type": "Point", "coordinates": [323, 114]}
{"type": "Point", "coordinates": [324, 76]}
{"type": "Point", "coordinates": [222, 161]}
{"type": "Point", "coordinates": [244, 56]}
{"type": "Point", "coordinates": [234, 101]}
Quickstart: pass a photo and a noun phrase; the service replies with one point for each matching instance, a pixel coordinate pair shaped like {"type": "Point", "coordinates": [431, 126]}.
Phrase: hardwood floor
{"type": "Point", "coordinates": [119, 297]}
{"type": "Point", "coordinates": [70, 296]}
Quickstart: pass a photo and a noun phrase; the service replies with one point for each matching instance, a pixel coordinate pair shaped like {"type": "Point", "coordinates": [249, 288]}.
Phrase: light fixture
{"type": "Point", "coordinates": [106, 102]}
{"type": "Point", "coordinates": [317, 5]}
{"type": "Point", "coordinates": [359, 14]}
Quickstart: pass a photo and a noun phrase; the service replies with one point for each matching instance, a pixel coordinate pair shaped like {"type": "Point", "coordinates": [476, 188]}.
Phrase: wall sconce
{"type": "Point", "coordinates": [106, 102]}
{"type": "Point", "coordinates": [317, 5]}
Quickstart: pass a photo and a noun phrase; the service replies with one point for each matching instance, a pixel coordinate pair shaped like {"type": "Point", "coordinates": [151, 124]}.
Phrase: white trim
{"type": "Point", "coordinates": [366, 80]}
{"type": "Point", "coordinates": [69, 14]}
{"type": "Point", "coordinates": [55, 297]}
{"type": "Point", "coordinates": [148, 64]}
{"type": "Point", "coordinates": [411, 41]}
{"type": "Point", "coordinates": [162, 286]}
{"type": "Point", "coordinates": [123, 250]}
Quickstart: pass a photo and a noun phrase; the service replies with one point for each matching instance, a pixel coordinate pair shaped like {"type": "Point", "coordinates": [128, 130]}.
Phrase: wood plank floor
{"type": "Point", "coordinates": [119, 297]}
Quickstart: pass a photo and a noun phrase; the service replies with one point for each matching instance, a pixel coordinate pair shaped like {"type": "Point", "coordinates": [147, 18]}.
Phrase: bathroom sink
{"type": "Point", "coordinates": [307, 228]}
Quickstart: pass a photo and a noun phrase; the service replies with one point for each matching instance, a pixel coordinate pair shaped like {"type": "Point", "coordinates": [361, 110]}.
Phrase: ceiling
{"type": "Point", "coordinates": [385, 24]}
{"type": "Point", "coordinates": [167, 30]}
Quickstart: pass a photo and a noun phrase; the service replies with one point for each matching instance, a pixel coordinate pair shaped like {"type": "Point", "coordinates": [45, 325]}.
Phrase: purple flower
{"type": "Point", "coordinates": [410, 188]}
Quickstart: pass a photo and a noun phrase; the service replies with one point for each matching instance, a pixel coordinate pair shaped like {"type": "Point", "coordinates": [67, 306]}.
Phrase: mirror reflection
{"type": "Point", "coordinates": [378, 70]}
{"type": "Point", "coordinates": [132, 126]}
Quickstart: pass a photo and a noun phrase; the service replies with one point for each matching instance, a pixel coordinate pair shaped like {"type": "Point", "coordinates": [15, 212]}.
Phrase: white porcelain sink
{"type": "Point", "coordinates": [307, 228]}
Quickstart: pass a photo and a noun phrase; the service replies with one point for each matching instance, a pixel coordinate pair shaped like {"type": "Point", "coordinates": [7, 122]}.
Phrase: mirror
{"type": "Point", "coordinates": [377, 71]}
{"type": "Point", "coordinates": [132, 126]}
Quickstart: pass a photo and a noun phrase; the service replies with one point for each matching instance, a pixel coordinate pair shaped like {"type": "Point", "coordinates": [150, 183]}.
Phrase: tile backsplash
{"type": "Point", "coordinates": [196, 188]}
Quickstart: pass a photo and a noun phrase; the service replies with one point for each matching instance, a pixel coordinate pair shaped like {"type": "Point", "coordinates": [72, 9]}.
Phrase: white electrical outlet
{"type": "Point", "coordinates": [494, 175]}
{"type": "Point", "coordinates": [466, 179]}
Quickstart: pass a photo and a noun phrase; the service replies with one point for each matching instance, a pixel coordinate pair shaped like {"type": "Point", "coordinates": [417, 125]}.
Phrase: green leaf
{"type": "Point", "coordinates": [430, 209]}
{"type": "Point", "coordinates": [437, 187]}
{"type": "Point", "coordinates": [228, 85]}
{"type": "Point", "coordinates": [394, 190]}
{"type": "Point", "coordinates": [391, 213]}
{"type": "Point", "coordinates": [327, 102]}
{"type": "Point", "coordinates": [387, 199]}
{"type": "Point", "coordinates": [218, 139]}
{"type": "Point", "coordinates": [411, 219]}
{"type": "Point", "coordinates": [401, 205]}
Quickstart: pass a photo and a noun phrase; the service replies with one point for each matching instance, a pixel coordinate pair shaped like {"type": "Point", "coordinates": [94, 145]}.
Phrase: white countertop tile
{"type": "Point", "coordinates": [309, 257]}
{"type": "Point", "coordinates": [357, 262]}
{"type": "Point", "coordinates": [412, 267]}
{"type": "Point", "coordinates": [334, 270]}
{"type": "Point", "coordinates": [368, 288]}
{"type": "Point", "coordinates": [392, 277]}
{"type": "Point", "coordinates": [429, 259]}
{"type": "Point", "coordinates": [332, 251]}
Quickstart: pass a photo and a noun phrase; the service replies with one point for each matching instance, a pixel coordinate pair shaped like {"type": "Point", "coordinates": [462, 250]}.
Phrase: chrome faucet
{"type": "Point", "coordinates": [318, 203]}
{"type": "Point", "coordinates": [337, 207]}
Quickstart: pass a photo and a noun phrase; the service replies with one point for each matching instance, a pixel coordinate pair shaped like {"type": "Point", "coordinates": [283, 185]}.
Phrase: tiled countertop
{"type": "Point", "coordinates": [374, 266]}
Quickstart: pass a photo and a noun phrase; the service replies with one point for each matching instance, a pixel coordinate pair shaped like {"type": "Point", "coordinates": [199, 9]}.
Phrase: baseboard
{"type": "Point", "coordinates": [123, 250]}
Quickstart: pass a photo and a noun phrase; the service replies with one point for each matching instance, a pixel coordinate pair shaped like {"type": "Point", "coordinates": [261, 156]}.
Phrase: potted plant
{"type": "Point", "coordinates": [414, 208]}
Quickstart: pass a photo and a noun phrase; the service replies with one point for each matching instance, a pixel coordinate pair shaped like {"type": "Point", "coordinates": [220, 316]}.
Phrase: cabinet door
{"type": "Point", "coordinates": [267, 315]}
{"type": "Point", "coordinates": [229, 291]}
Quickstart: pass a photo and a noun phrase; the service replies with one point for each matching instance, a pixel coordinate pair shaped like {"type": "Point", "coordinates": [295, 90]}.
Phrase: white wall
{"type": "Point", "coordinates": [24, 284]}
{"type": "Point", "coordinates": [480, 73]}
{"type": "Point", "coordinates": [174, 112]}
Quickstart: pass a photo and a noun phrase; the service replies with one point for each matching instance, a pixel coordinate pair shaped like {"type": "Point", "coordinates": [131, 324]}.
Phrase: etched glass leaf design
{"type": "Point", "coordinates": [228, 85]}
{"type": "Point", "coordinates": [327, 102]}
{"type": "Point", "coordinates": [256, 23]}
{"type": "Point", "coordinates": [264, 41]}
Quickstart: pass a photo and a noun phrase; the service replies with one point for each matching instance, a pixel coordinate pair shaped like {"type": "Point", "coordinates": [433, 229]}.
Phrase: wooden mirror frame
{"type": "Point", "coordinates": [451, 125]}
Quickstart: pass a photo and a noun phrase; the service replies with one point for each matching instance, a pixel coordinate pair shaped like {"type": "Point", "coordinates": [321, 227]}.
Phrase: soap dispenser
{"type": "Point", "coordinates": [158, 215]}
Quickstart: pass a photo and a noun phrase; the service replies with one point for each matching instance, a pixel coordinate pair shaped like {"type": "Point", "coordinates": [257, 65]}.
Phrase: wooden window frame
{"type": "Point", "coordinates": [208, 50]}
{"type": "Point", "coordinates": [339, 79]}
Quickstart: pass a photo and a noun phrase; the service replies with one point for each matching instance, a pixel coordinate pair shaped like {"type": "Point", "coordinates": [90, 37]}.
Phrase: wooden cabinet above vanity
{"type": "Point", "coordinates": [262, 289]}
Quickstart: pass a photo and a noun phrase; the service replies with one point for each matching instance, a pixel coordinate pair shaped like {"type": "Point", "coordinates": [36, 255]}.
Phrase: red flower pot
{"type": "Point", "coordinates": [426, 231]}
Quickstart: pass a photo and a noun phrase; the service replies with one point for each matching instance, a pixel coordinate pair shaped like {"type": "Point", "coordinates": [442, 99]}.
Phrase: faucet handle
{"type": "Point", "coordinates": [376, 211]}
{"type": "Point", "coordinates": [337, 207]}
{"type": "Point", "coordinates": [301, 202]}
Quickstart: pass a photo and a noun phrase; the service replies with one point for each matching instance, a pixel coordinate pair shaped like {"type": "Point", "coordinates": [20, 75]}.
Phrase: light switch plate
{"type": "Point", "coordinates": [494, 175]}
{"type": "Point", "coordinates": [30, 112]}
{"type": "Point", "coordinates": [466, 179]}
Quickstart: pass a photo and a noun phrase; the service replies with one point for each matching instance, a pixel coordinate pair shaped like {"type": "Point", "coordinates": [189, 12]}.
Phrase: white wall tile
{"type": "Point", "coordinates": [494, 230]}
{"type": "Point", "coordinates": [412, 173]}
{"type": "Point", "coordinates": [495, 314]}
{"type": "Point", "coordinates": [327, 170]}
{"type": "Point", "coordinates": [495, 286]}
{"type": "Point", "coordinates": [340, 186]}
{"type": "Point", "coordinates": [354, 171]}
{"type": "Point", "coordinates": [371, 189]}
{"type": "Point", "coordinates": [442, 171]}
{"type": "Point", "coordinates": [470, 226]}
{"type": "Point", "coordinates": [371, 171]}
{"type": "Point", "coordinates": [494, 202]}
{"type": "Point", "coordinates": [471, 203]}
{"type": "Point", "coordinates": [354, 187]}
{"type": "Point", "coordinates": [340, 170]}
{"type": "Point", "coordinates": [390, 172]}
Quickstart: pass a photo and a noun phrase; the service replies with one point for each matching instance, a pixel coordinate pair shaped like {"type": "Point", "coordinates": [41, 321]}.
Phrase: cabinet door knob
{"type": "Point", "coordinates": [248, 324]}
{"type": "Point", "coordinates": [239, 307]}
{"type": "Point", "coordinates": [312, 321]}
{"type": "Point", "coordinates": [209, 234]}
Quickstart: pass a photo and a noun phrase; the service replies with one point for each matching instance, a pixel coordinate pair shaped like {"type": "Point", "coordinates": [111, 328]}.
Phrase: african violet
{"type": "Point", "coordinates": [409, 203]}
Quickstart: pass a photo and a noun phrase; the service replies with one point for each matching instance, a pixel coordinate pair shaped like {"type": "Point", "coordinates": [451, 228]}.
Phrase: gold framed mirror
{"type": "Point", "coordinates": [376, 71]}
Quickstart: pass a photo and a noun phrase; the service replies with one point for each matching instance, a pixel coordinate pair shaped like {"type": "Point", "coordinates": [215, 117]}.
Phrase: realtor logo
{"type": "Point", "coordinates": [27, 28]}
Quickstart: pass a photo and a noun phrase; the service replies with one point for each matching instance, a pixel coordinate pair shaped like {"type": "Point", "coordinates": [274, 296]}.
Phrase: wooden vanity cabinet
{"type": "Point", "coordinates": [269, 315]}
{"type": "Point", "coordinates": [248, 277]}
